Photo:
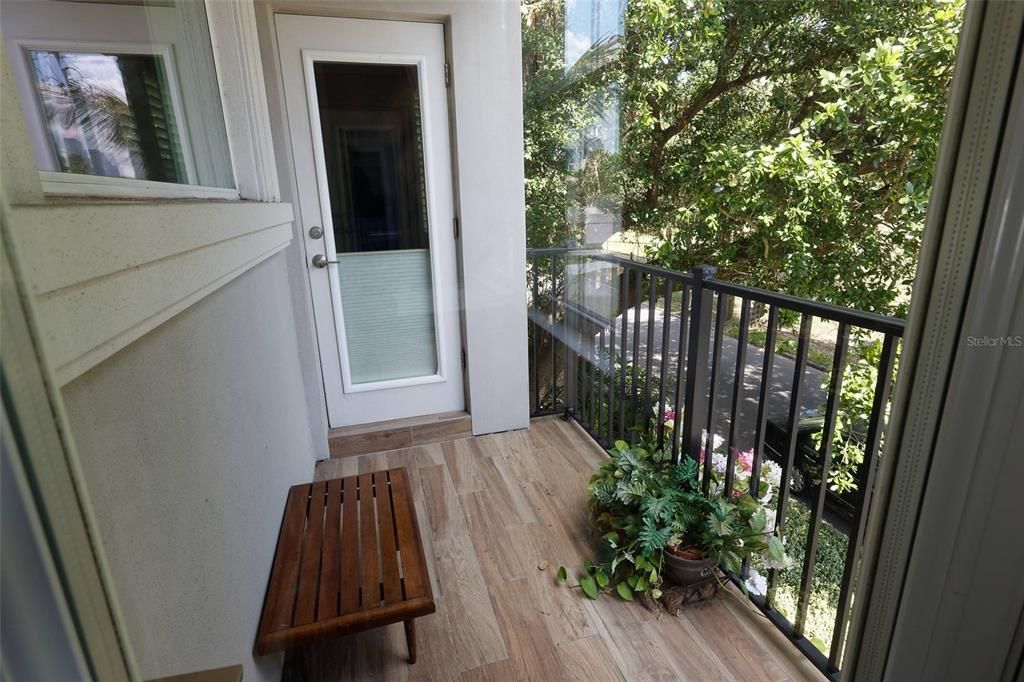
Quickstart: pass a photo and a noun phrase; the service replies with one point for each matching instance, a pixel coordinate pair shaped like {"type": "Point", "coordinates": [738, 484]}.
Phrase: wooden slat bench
{"type": "Point", "coordinates": [349, 558]}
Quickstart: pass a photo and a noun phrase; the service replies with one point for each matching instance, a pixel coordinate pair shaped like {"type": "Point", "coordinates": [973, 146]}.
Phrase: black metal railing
{"type": "Point", "coordinates": [748, 380]}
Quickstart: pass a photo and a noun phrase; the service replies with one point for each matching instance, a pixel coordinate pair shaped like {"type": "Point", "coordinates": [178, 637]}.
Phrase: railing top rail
{"type": "Point", "coordinates": [625, 261]}
{"type": "Point", "coordinates": [547, 251]}
{"type": "Point", "coordinates": [871, 321]}
{"type": "Point", "coordinates": [859, 318]}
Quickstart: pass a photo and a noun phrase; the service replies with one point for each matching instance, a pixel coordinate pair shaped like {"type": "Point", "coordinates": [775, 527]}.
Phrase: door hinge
{"type": "Point", "coordinates": [455, 226]}
{"type": "Point", "coordinates": [447, 74]}
{"type": "Point", "coordinates": [463, 355]}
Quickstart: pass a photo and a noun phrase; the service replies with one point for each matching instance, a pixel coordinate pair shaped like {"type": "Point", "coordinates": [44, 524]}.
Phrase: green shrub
{"type": "Point", "coordinates": [828, 575]}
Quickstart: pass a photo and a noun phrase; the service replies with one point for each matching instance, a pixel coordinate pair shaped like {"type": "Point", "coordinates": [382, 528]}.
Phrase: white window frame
{"type": "Point", "coordinates": [235, 47]}
{"type": "Point", "coordinates": [64, 183]}
{"type": "Point", "coordinates": [57, 183]}
{"type": "Point", "coordinates": [236, 54]}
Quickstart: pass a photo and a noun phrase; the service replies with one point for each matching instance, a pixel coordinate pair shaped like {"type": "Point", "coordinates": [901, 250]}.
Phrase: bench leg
{"type": "Point", "coordinates": [410, 639]}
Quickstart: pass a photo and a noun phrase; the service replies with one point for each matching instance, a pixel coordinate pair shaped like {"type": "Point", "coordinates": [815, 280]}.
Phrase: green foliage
{"type": "Point", "coordinates": [824, 197]}
{"type": "Point", "coordinates": [615, 384]}
{"type": "Point", "coordinates": [589, 586]}
{"type": "Point", "coordinates": [642, 503]}
{"type": "Point", "coordinates": [855, 404]}
{"type": "Point", "coordinates": [791, 143]}
{"type": "Point", "coordinates": [828, 575]}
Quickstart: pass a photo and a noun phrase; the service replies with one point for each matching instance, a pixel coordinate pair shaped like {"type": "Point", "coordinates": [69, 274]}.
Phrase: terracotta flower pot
{"type": "Point", "coordinates": [687, 566]}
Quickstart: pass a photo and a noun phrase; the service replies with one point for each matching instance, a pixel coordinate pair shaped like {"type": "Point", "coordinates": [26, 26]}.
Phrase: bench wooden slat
{"type": "Point", "coordinates": [370, 584]}
{"type": "Point", "coordinates": [284, 575]}
{"type": "Point", "coordinates": [309, 573]}
{"type": "Point", "coordinates": [414, 565]}
{"type": "Point", "coordinates": [349, 547]}
{"type": "Point", "coordinates": [331, 560]}
{"type": "Point", "coordinates": [388, 540]}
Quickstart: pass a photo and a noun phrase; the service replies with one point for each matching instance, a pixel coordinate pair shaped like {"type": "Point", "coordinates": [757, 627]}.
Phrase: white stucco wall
{"type": "Point", "coordinates": [485, 99]}
{"type": "Point", "coordinates": [189, 439]}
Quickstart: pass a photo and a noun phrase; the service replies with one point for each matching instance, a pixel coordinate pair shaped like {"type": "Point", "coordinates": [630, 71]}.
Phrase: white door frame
{"type": "Point", "coordinates": [484, 51]}
{"type": "Point", "coordinates": [377, 401]}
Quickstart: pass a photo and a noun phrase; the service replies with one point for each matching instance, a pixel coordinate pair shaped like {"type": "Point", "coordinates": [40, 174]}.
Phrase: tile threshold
{"type": "Point", "coordinates": [398, 433]}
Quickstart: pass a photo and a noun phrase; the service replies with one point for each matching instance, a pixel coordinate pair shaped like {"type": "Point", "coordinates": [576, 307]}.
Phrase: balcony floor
{"type": "Point", "coordinates": [491, 509]}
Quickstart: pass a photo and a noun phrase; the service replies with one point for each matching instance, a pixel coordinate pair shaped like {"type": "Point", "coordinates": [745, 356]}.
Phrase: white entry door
{"type": "Point", "coordinates": [368, 120]}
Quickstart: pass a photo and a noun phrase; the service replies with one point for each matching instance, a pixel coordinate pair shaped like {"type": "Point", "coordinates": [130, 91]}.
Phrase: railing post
{"type": "Point", "coordinates": [570, 332]}
{"type": "Point", "coordinates": [695, 405]}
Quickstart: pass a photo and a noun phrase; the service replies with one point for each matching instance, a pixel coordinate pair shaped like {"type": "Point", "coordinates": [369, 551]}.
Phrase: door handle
{"type": "Point", "coordinates": [320, 261]}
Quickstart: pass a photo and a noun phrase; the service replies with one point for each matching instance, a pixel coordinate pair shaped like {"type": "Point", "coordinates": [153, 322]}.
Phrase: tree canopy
{"type": "Point", "coordinates": [791, 143]}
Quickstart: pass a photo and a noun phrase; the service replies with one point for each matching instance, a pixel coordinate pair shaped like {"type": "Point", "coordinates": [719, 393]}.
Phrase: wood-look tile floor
{"type": "Point", "coordinates": [491, 509]}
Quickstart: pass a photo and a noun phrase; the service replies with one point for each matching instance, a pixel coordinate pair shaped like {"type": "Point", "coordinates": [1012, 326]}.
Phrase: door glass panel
{"type": "Point", "coordinates": [373, 152]}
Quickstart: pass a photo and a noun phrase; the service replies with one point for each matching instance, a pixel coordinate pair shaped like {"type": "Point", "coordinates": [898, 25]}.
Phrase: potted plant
{"type": "Point", "coordinates": [654, 521]}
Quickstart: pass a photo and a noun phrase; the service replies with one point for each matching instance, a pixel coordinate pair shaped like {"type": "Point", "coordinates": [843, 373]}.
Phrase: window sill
{"type": "Point", "coordinates": [78, 185]}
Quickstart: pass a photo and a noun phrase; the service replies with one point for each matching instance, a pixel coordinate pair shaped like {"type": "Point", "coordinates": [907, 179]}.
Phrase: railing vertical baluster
{"type": "Point", "coordinates": [737, 391]}
{"type": "Point", "coordinates": [536, 332]}
{"type": "Point", "coordinates": [578, 373]}
{"type": "Point", "coordinates": [666, 333]}
{"type": "Point", "coordinates": [571, 342]}
{"type": "Point", "coordinates": [716, 356]}
{"type": "Point", "coordinates": [599, 365]}
{"type": "Point", "coordinates": [835, 389]}
{"type": "Point", "coordinates": [638, 296]}
{"type": "Point", "coordinates": [611, 371]}
{"type": "Point", "coordinates": [627, 274]}
{"type": "Point", "coordinates": [865, 484]}
{"type": "Point", "coordinates": [652, 301]}
{"type": "Point", "coordinates": [695, 410]}
{"type": "Point", "coordinates": [793, 429]}
{"type": "Point", "coordinates": [551, 334]}
{"type": "Point", "coordinates": [677, 405]}
{"type": "Point", "coordinates": [591, 376]}
{"type": "Point", "coordinates": [760, 426]}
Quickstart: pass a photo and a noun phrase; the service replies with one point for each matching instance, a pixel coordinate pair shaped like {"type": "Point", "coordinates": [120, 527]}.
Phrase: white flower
{"type": "Point", "coordinates": [757, 583]}
{"type": "Point", "coordinates": [771, 473]}
{"type": "Point", "coordinates": [719, 462]}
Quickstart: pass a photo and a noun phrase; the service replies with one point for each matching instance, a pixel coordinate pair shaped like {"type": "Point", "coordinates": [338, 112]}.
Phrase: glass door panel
{"type": "Point", "coordinates": [370, 120]}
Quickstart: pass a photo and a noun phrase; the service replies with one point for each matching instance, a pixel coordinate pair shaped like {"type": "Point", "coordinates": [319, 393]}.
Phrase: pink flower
{"type": "Point", "coordinates": [744, 459]}
{"type": "Point", "coordinates": [670, 415]}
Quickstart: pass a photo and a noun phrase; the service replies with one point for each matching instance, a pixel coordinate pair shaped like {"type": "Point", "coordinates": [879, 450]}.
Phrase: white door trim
{"type": "Point", "coordinates": [309, 56]}
{"type": "Point", "coordinates": [484, 50]}
{"type": "Point", "coordinates": [368, 41]}
{"type": "Point", "coordinates": [243, 97]}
